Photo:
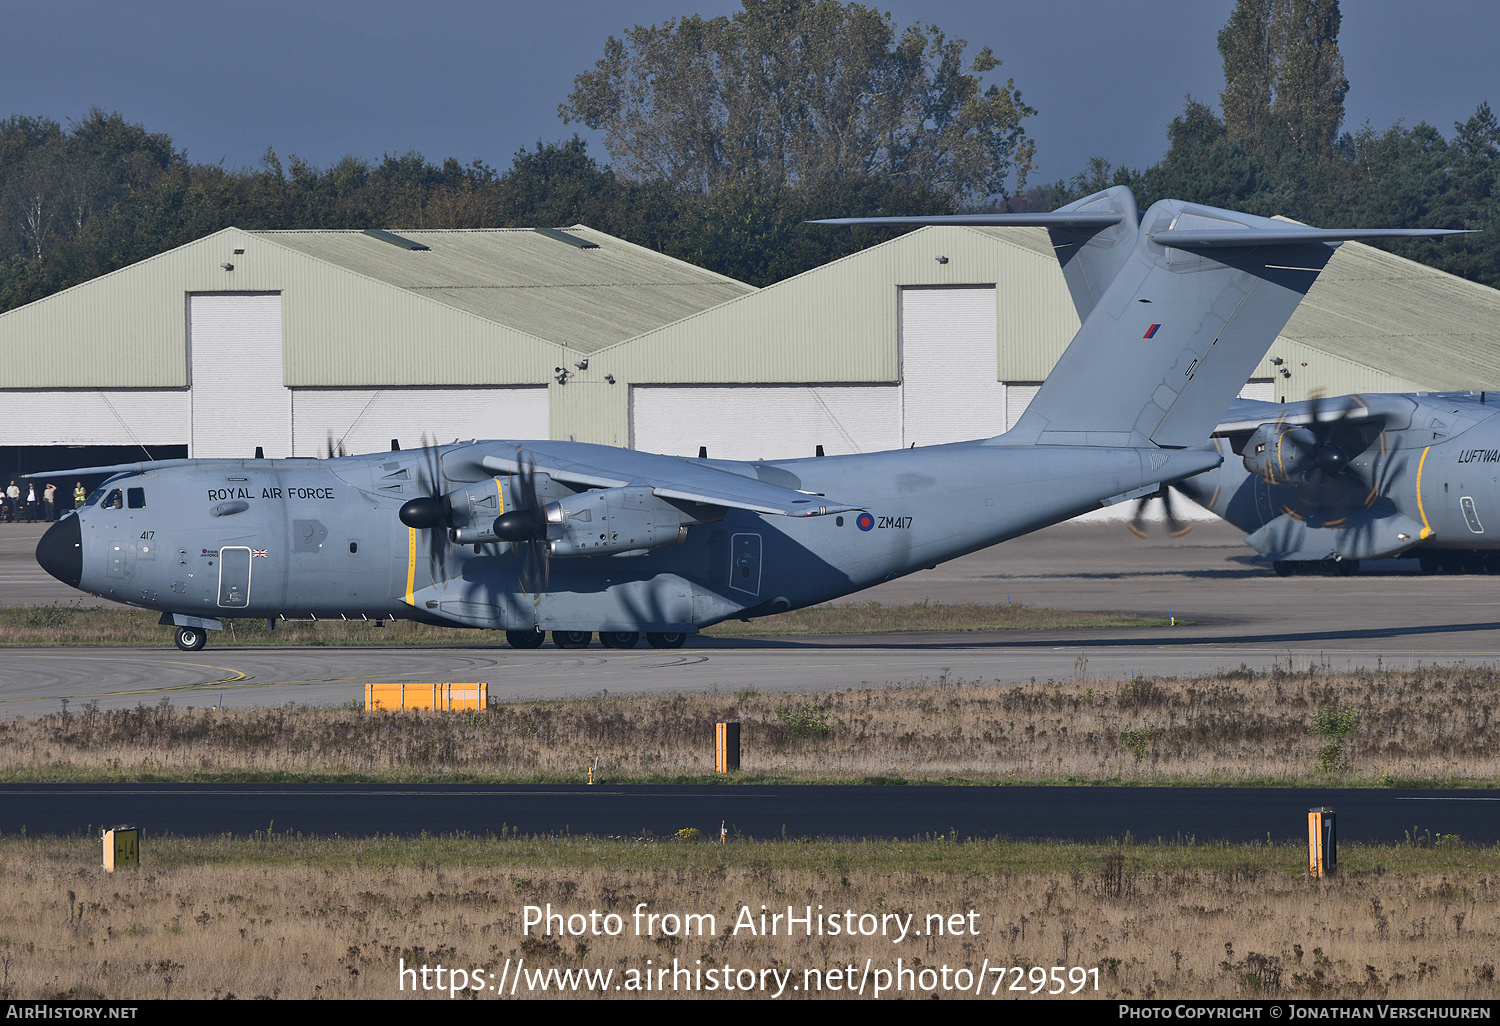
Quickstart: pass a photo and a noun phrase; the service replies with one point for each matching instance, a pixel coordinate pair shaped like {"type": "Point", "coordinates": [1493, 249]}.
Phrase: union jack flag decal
{"type": "Point", "coordinates": [258, 552]}
{"type": "Point", "coordinates": [1151, 331]}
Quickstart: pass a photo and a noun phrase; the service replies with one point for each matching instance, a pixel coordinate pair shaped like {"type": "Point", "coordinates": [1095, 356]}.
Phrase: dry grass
{"type": "Point", "coordinates": [1434, 726]}
{"type": "Point", "coordinates": [60, 625]}
{"type": "Point", "coordinates": [296, 917]}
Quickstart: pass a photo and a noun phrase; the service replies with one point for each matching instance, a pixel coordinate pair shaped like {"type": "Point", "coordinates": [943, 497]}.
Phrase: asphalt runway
{"type": "Point", "coordinates": [1238, 613]}
{"type": "Point", "coordinates": [1084, 814]}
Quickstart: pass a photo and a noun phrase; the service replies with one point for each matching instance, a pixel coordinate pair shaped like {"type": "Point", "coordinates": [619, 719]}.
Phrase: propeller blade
{"type": "Point", "coordinates": [1176, 526]}
{"type": "Point", "coordinates": [1179, 528]}
{"type": "Point", "coordinates": [536, 570]}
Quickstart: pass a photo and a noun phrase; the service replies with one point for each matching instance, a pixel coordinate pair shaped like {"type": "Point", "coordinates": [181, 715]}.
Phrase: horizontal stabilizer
{"type": "Point", "coordinates": [1251, 237]}
{"type": "Point", "coordinates": [1054, 219]}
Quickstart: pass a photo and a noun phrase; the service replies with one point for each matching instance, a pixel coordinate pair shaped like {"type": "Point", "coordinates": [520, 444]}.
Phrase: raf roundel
{"type": "Point", "coordinates": [865, 522]}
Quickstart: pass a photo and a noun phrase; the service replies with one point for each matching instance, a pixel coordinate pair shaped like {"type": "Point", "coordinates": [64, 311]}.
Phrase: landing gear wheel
{"type": "Point", "coordinates": [525, 639]}
{"type": "Point", "coordinates": [572, 639]}
{"type": "Point", "coordinates": [191, 639]}
{"type": "Point", "coordinates": [671, 639]}
{"type": "Point", "coordinates": [619, 639]}
{"type": "Point", "coordinates": [1284, 568]}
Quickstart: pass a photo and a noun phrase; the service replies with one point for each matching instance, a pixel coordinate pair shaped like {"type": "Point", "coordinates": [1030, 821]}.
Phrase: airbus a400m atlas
{"type": "Point", "coordinates": [573, 538]}
{"type": "Point", "coordinates": [1322, 484]}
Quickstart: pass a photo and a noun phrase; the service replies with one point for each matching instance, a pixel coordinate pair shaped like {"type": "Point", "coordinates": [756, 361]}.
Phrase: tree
{"type": "Point", "coordinates": [1310, 84]}
{"type": "Point", "coordinates": [792, 92]}
{"type": "Point", "coordinates": [1249, 67]}
{"type": "Point", "coordinates": [1284, 83]}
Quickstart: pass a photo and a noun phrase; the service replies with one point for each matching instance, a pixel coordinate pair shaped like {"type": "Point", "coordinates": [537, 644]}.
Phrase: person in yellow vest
{"type": "Point", "coordinates": [78, 495]}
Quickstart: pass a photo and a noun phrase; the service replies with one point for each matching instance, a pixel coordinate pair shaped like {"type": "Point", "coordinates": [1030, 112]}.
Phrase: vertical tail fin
{"type": "Point", "coordinates": [1092, 256]}
{"type": "Point", "coordinates": [1177, 308]}
{"type": "Point", "coordinates": [1180, 327]}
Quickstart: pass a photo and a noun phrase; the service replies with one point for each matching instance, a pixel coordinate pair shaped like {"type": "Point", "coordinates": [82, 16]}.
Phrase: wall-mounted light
{"type": "Point", "coordinates": [941, 259]}
{"type": "Point", "coordinates": [610, 378]}
{"type": "Point", "coordinates": [227, 266]}
{"type": "Point", "coordinates": [582, 364]}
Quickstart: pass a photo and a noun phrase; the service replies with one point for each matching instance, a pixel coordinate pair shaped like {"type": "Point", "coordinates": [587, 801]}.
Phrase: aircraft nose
{"type": "Point", "coordinates": [60, 552]}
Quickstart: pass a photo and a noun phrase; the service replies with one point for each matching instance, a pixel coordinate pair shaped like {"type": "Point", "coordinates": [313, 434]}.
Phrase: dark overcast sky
{"type": "Point", "coordinates": [472, 79]}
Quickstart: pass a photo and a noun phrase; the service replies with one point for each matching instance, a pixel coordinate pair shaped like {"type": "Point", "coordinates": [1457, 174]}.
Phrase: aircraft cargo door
{"type": "Point", "coordinates": [234, 576]}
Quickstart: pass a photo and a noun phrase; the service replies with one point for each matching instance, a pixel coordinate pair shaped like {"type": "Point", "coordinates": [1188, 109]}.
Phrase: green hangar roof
{"type": "Point", "coordinates": [385, 308]}
{"type": "Point", "coordinates": [584, 297]}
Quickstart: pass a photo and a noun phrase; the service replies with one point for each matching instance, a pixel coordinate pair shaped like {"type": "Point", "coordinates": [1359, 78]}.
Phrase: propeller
{"type": "Point", "coordinates": [526, 524]}
{"type": "Point", "coordinates": [1328, 456]}
{"type": "Point", "coordinates": [1324, 485]}
{"type": "Point", "coordinates": [1177, 527]}
{"type": "Point", "coordinates": [429, 511]}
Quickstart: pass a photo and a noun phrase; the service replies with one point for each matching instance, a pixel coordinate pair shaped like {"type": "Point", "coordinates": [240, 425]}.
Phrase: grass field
{"type": "Point", "coordinates": [1430, 727]}
{"type": "Point", "coordinates": [277, 915]}
{"type": "Point", "coordinates": [61, 625]}
{"type": "Point", "coordinates": [283, 916]}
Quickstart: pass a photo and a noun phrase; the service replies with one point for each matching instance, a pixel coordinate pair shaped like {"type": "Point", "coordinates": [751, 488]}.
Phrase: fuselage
{"type": "Point", "coordinates": [321, 538]}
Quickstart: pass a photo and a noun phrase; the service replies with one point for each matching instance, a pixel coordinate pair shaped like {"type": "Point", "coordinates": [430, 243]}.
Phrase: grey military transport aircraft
{"type": "Point", "coordinates": [1322, 484]}
{"type": "Point", "coordinates": [1177, 308]}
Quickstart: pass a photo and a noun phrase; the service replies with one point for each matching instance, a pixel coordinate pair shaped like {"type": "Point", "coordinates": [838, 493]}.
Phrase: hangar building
{"type": "Point", "coordinates": [288, 340]}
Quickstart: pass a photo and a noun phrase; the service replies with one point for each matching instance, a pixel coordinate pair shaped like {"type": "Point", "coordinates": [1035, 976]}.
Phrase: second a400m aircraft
{"type": "Point", "coordinates": [1177, 308]}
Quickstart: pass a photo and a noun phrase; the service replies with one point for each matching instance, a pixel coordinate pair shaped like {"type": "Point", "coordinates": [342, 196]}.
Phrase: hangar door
{"type": "Point", "coordinates": [234, 368]}
{"type": "Point", "coordinates": [949, 365]}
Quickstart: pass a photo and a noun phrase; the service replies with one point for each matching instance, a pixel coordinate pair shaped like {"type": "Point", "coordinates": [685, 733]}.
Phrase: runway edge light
{"type": "Point", "coordinates": [122, 847]}
{"type": "Point", "coordinates": [726, 747]}
{"type": "Point", "coordinates": [1322, 842]}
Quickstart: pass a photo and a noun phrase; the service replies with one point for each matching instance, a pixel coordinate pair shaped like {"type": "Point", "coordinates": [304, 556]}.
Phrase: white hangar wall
{"type": "Point", "coordinates": [236, 401]}
{"type": "Point", "coordinates": [947, 392]}
{"type": "Point", "coordinates": [365, 420]}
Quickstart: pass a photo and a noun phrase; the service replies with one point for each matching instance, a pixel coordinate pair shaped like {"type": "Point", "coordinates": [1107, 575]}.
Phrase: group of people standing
{"type": "Point", "coordinates": [34, 503]}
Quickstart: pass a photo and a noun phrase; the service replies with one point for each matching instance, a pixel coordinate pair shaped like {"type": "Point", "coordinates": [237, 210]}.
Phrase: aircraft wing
{"type": "Point", "coordinates": [1248, 414]}
{"type": "Point", "coordinates": [668, 477]}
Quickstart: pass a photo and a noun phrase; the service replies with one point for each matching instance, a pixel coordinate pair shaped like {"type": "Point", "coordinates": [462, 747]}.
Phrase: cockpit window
{"type": "Point", "coordinates": [94, 497]}
{"type": "Point", "coordinates": [135, 498]}
{"type": "Point", "coordinates": [114, 500]}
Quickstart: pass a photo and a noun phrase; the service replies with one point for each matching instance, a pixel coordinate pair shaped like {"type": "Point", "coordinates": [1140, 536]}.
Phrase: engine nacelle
{"type": "Point", "coordinates": [1281, 455]}
{"type": "Point", "coordinates": [609, 521]}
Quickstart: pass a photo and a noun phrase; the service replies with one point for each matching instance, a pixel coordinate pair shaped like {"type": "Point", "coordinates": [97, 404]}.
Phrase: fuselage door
{"type": "Point", "coordinates": [744, 563]}
{"type": "Point", "coordinates": [1471, 515]}
{"type": "Point", "coordinates": [234, 576]}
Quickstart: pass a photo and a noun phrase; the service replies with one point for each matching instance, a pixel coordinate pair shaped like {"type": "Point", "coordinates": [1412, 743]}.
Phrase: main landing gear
{"type": "Point", "coordinates": [572, 639]}
{"type": "Point", "coordinates": [525, 639]}
{"type": "Point", "coordinates": [191, 639]}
